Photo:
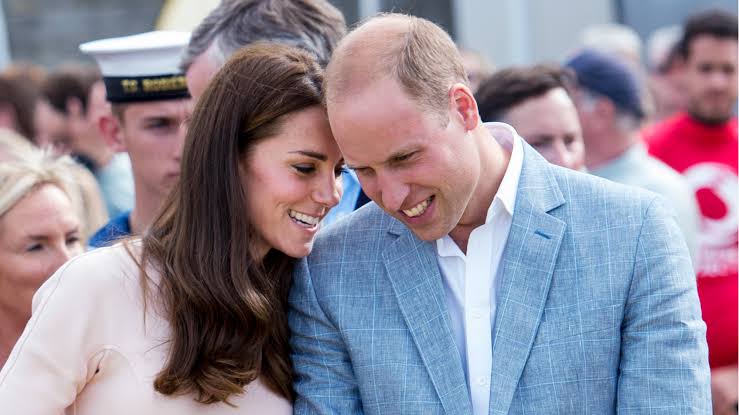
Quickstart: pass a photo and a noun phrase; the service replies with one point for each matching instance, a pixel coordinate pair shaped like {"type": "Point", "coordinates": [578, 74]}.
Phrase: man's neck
{"type": "Point", "coordinates": [100, 156]}
{"type": "Point", "coordinates": [146, 206]}
{"type": "Point", "coordinates": [494, 161]}
{"type": "Point", "coordinates": [609, 148]}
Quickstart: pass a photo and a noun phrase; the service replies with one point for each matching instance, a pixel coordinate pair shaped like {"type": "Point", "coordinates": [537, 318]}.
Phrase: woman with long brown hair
{"type": "Point", "coordinates": [192, 317]}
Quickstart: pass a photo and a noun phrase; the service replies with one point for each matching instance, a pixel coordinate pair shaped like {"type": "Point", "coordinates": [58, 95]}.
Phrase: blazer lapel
{"type": "Point", "coordinates": [527, 265]}
{"type": "Point", "coordinates": [412, 268]}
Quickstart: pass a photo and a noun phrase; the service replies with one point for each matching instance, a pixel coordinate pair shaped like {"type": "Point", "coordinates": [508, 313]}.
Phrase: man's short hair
{"type": "Point", "coordinates": [312, 25]}
{"type": "Point", "coordinates": [509, 87]}
{"type": "Point", "coordinates": [21, 97]}
{"type": "Point", "coordinates": [421, 57]}
{"type": "Point", "coordinates": [71, 82]}
{"type": "Point", "coordinates": [717, 23]}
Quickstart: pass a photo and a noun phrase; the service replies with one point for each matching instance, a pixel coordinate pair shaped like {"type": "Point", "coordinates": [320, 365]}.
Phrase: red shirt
{"type": "Point", "coordinates": [708, 156]}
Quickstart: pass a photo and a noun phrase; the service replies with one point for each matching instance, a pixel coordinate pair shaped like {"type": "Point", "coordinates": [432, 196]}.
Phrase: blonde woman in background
{"type": "Point", "coordinates": [91, 207]}
{"type": "Point", "coordinates": [39, 228]}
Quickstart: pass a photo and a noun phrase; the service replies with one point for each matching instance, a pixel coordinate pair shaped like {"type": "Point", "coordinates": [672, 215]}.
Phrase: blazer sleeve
{"type": "Point", "coordinates": [664, 356]}
{"type": "Point", "coordinates": [57, 353]}
{"type": "Point", "coordinates": [324, 378]}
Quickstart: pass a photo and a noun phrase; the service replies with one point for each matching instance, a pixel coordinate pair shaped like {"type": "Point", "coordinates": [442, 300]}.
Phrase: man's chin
{"type": "Point", "coordinates": [427, 233]}
{"type": "Point", "coordinates": [711, 117]}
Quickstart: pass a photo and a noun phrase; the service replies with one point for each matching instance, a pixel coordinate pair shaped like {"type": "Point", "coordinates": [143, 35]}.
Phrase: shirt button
{"type": "Point", "coordinates": [482, 381]}
{"type": "Point", "coordinates": [477, 315]}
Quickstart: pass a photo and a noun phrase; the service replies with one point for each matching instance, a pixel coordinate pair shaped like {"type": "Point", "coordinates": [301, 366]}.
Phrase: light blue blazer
{"type": "Point", "coordinates": [597, 311]}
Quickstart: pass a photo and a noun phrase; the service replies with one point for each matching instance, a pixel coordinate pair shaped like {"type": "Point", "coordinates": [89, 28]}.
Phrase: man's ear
{"type": "Point", "coordinates": [112, 132]}
{"type": "Point", "coordinates": [464, 106]}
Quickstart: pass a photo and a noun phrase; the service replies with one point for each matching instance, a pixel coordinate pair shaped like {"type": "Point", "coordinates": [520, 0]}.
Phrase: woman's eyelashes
{"type": "Point", "coordinates": [307, 169]}
{"type": "Point", "coordinates": [304, 169]}
{"type": "Point", "coordinates": [70, 240]}
{"type": "Point", "coordinates": [34, 248]}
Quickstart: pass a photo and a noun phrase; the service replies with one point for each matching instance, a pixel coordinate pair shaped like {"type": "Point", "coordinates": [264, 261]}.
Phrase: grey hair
{"type": "Point", "coordinates": [312, 25]}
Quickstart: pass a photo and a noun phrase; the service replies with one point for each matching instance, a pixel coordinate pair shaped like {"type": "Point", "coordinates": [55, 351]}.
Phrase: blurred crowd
{"type": "Point", "coordinates": [659, 115]}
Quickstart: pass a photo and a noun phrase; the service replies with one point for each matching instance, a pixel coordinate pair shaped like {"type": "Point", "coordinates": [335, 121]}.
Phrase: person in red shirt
{"type": "Point", "coordinates": [702, 144]}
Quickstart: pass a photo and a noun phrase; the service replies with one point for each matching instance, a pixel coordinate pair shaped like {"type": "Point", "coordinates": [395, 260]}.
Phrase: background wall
{"type": "Point", "coordinates": [48, 32]}
{"type": "Point", "coordinates": [506, 31]}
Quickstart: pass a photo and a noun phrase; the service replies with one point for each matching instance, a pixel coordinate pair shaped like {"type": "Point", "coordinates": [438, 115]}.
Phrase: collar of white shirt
{"type": "Point", "coordinates": [505, 197]}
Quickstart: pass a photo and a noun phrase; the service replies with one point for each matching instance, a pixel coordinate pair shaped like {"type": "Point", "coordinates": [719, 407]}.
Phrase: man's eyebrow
{"type": "Point", "coordinates": [391, 157]}
{"type": "Point", "coordinates": [400, 153]}
{"type": "Point", "coordinates": [312, 154]}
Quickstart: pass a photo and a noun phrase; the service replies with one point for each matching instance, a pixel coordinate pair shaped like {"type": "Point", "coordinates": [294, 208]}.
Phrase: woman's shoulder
{"type": "Point", "coordinates": [105, 262]}
{"type": "Point", "coordinates": [96, 272]}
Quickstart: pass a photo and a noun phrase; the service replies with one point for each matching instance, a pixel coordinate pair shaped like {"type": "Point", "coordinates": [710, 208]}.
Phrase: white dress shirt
{"type": "Point", "coordinates": [469, 280]}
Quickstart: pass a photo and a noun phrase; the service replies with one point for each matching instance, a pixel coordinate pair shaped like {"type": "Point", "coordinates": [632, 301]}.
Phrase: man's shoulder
{"type": "Point", "coordinates": [596, 197]}
{"type": "Point", "coordinates": [662, 178]}
{"type": "Point", "coordinates": [115, 229]}
{"type": "Point", "coordinates": [364, 226]}
{"type": "Point", "coordinates": [578, 183]}
{"type": "Point", "coordinates": [547, 185]}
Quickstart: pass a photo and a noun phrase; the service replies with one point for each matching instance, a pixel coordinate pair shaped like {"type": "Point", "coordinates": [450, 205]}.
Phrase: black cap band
{"type": "Point", "coordinates": [145, 88]}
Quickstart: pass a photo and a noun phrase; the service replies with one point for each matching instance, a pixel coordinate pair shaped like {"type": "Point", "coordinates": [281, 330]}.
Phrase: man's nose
{"type": "Point", "coordinates": [393, 191]}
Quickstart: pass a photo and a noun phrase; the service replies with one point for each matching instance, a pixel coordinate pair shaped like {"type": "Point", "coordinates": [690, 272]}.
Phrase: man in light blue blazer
{"type": "Point", "coordinates": [482, 280]}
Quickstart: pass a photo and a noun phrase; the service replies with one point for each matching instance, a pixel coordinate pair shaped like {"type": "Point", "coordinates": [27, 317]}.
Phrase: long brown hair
{"type": "Point", "coordinates": [227, 306]}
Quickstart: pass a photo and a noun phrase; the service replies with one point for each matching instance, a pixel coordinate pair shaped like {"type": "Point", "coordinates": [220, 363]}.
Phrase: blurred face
{"type": "Point", "coordinates": [291, 181]}
{"type": "Point", "coordinates": [83, 125]}
{"type": "Point", "coordinates": [475, 68]}
{"type": "Point", "coordinates": [51, 128]}
{"type": "Point", "coordinates": [200, 72]}
{"type": "Point", "coordinates": [668, 91]}
{"type": "Point", "coordinates": [550, 124]}
{"type": "Point", "coordinates": [153, 134]}
{"type": "Point", "coordinates": [710, 78]}
{"type": "Point", "coordinates": [37, 235]}
{"type": "Point", "coordinates": [418, 170]}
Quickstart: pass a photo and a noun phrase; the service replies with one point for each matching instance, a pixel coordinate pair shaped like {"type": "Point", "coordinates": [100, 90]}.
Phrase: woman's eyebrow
{"type": "Point", "coordinates": [313, 154]}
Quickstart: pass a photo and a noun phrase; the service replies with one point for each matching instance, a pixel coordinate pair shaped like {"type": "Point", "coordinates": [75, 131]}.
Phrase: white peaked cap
{"type": "Point", "coordinates": [151, 53]}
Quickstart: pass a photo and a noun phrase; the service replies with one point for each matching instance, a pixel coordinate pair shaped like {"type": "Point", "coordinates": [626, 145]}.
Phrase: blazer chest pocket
{"type": "Point", "coordinates": [559, 323]}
